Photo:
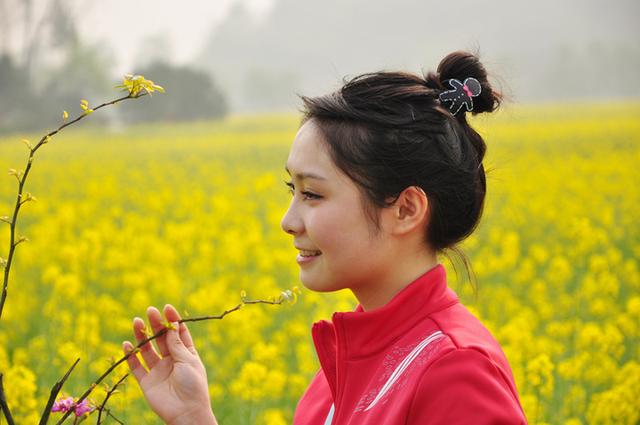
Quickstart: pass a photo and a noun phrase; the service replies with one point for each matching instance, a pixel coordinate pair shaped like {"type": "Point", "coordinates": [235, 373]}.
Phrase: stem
{"type": "Point", "coordinates": [23, 179]}
{"type": "Point", "coordinates": [54, 393]}
{"type": "Point", "coordinates": [109, 394]}
{"type": "Point", "coordinates": [3, 404]}
{"type": "Point", "coordinates": [114, 418]}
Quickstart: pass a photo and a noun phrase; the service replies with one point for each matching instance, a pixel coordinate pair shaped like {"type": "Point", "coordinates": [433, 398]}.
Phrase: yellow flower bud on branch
{"type": "Point", "coordinates": [20, 240]}
{"type": "Point", "coordinates": [146, 331]}
{"type": "Point", "coordinates": [65, 115]}
{"type": "Point", "coordinates": [26, 197]}
{"type": "Point", "coordinates": [290, 295]}
{"type": "Point", "coordinates": [16, 173]}
{"type": "Point", "coordinates": [136, 84]}
{"type": "Point", "coordinates": [84, 104]}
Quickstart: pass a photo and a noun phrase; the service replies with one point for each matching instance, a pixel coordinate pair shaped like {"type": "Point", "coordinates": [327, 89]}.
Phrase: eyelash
{"type": "Point", "coordinates": [308, 195]}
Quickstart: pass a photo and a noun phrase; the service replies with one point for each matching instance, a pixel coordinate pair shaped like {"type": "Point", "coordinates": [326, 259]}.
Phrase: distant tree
{"type": "Point", "coordinates": [190, 95]}
{"type": "Point", "coordinates": [15, 100]}
{"type": "Point", "coordinates": [52, 70]}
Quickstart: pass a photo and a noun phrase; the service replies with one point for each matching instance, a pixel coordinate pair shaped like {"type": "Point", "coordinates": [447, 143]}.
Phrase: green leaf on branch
{"type": "Point", "coordinates": [26, 197]}
{"type": "Point", "coordinates": [20, 240]}
{"type": "Point", "coordinates": [290, 295]}
{"type": "Point", "coordinates": [16, 173]}
{"type": "Point", "coordinates": [136, 84]}
{"type": "Point", "coordinates": [84, 104]}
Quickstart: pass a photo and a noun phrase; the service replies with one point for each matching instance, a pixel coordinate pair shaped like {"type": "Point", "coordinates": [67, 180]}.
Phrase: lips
{"type": "Point", "coordinates": [309, 253]}
{"type": "Point", "coordinates": [306, 253]}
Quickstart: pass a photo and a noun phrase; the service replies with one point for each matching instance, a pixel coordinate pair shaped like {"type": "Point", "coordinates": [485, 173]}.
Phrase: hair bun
{"type": "Point", "coordinates": [460, 65]}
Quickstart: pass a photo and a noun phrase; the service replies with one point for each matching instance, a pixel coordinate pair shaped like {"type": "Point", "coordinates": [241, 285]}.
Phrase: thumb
{"type": "Point", "coordinates": [176, 347]}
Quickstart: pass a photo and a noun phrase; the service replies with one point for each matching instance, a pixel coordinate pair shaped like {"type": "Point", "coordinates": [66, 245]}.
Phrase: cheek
{"type": "Point", "coordinates": [341, 229]}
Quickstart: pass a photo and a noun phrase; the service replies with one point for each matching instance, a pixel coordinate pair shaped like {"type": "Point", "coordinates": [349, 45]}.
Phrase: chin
{"type": "Point", "coordinates": [315, 284]}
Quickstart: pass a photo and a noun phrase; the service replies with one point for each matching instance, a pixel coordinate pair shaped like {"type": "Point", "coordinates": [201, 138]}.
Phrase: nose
{"type": "Point", "coordinates": [291, 222]}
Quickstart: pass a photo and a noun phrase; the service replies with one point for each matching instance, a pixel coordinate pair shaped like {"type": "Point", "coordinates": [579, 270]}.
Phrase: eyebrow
{"type": "Point", "coordinates": [302, 176]}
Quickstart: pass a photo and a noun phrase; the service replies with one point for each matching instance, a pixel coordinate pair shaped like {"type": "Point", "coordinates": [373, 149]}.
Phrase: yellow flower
{"type": "Point", "coordinates": [540, 374]}
{"type": "Point", "coordinates": [272, 417]}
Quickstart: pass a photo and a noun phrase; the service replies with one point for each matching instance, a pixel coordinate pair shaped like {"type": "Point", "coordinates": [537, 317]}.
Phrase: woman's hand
{"type": "Point", "coordinates": [175, 385]}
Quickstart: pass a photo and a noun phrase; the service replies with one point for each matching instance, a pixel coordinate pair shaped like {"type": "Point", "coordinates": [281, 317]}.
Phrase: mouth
{"type": "Point", "coordinates": [306, 253]}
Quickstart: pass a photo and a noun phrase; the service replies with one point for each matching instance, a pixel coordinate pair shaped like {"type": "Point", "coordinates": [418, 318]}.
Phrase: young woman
{"type": "Point", "coordinates": [385, 174]}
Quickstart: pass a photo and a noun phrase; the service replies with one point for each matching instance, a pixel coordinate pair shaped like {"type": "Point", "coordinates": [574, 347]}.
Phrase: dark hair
{"type": "Point", "coordinates": [388, 131]}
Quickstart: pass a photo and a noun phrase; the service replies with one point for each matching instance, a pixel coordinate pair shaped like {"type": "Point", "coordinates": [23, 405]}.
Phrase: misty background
{"type": "Point", "coordinates": [251, 56]}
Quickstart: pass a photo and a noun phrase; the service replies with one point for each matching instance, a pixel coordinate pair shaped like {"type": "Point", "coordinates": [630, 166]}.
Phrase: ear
{"type": "Point", "coordinates": [410, 211]}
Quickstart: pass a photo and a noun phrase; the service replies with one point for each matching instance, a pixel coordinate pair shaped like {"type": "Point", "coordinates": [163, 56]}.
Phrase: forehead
{"type": "Point", "coordinates": [309, 153]}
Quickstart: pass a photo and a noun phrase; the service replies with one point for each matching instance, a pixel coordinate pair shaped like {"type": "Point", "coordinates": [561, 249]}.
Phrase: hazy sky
{"type": "Point", "coordinates": [541, 49]}
{"type": "Point", "coordinates": [126, 24]}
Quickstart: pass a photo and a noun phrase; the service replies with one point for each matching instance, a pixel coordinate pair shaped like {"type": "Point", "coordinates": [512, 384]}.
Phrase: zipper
{"type": "Point", "coordinates": [340, 370]}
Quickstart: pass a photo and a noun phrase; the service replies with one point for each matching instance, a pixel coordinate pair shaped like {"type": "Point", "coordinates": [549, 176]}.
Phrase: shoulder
{"type": "Point", "coordinates": [464, 385]}
{"type": "Point", "coordinates": [466, 332]}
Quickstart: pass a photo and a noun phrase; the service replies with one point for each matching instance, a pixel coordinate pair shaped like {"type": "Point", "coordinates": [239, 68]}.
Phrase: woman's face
{"type": "Point", "coordinates": [337, 247]}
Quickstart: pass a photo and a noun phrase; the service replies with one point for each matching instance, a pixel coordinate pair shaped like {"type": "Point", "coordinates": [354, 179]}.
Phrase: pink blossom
{"type": "Point", "coordinates": [82, 408]}
{"type": "Point", "coordinates": [65, 404]}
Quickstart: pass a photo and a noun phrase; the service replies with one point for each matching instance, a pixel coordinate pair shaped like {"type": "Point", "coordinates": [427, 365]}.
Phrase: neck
{"type": "Point", "coordinates": [377, 294]}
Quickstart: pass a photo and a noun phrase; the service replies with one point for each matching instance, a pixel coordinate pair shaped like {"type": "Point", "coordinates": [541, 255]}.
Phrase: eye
{"type": "Point", "coordinates": [309, 196]}
{"type": "Point", "coordinates": [290, 187]}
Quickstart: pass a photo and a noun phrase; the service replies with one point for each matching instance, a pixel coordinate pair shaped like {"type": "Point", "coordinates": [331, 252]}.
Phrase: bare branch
{"type": "Point", "coordinates": [3, 404]}
{"type": "Point", "coordinates": [109, 394]}
{"type": "Point", "coordinates": [54, 393]}
{"type": "Point", "coordinates": [21, 176]}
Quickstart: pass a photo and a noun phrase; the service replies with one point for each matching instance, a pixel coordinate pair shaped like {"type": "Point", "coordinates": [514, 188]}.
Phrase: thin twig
{"type": "Point", "coordinates": [114, 418]}
{"type": "Point", "coordinates": [109, 394]}
{"type": "Point", "coordinates": [23, 178]}
{"type": "Point", "coordinates": [54, 393]}
{"type": "Point", "coordinates": [159, 334]}
{"type": "Point", "coordinates": [4, 405]}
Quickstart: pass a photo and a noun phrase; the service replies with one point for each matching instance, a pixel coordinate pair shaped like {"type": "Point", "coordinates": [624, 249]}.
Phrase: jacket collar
{"type": "Point", "coordinates": [363, 333]}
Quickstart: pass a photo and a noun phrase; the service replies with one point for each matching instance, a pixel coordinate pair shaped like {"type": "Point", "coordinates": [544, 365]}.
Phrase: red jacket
{"type": "Point", "coordinates": [423, 358]}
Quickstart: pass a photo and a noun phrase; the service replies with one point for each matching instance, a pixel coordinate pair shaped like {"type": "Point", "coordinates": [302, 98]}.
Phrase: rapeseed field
{"type": "Point", "coordinates": [189, 214]}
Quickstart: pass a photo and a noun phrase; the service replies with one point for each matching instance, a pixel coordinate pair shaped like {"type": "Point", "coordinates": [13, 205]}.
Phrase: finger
{"type": "Point", "coordinates": [134, 363]}
{"type": "Point", "coordinates": [177, 349]}
{"type": "Point", "coordinates": [149, 353]}
{"type": "Point", "coordinates": [155, 320]}
{"type": "Point", "coordinates": [185, 336]}
{"type": "Point", "coordinates": [172, 315]}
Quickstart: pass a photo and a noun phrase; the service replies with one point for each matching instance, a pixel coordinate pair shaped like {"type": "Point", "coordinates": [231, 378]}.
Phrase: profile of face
{"type": "Point", "coordinates": [337, 247]}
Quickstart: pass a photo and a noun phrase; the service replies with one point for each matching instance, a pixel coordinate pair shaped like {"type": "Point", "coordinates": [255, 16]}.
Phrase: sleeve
{"type": "Point", "coordinates": [464, 387]}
